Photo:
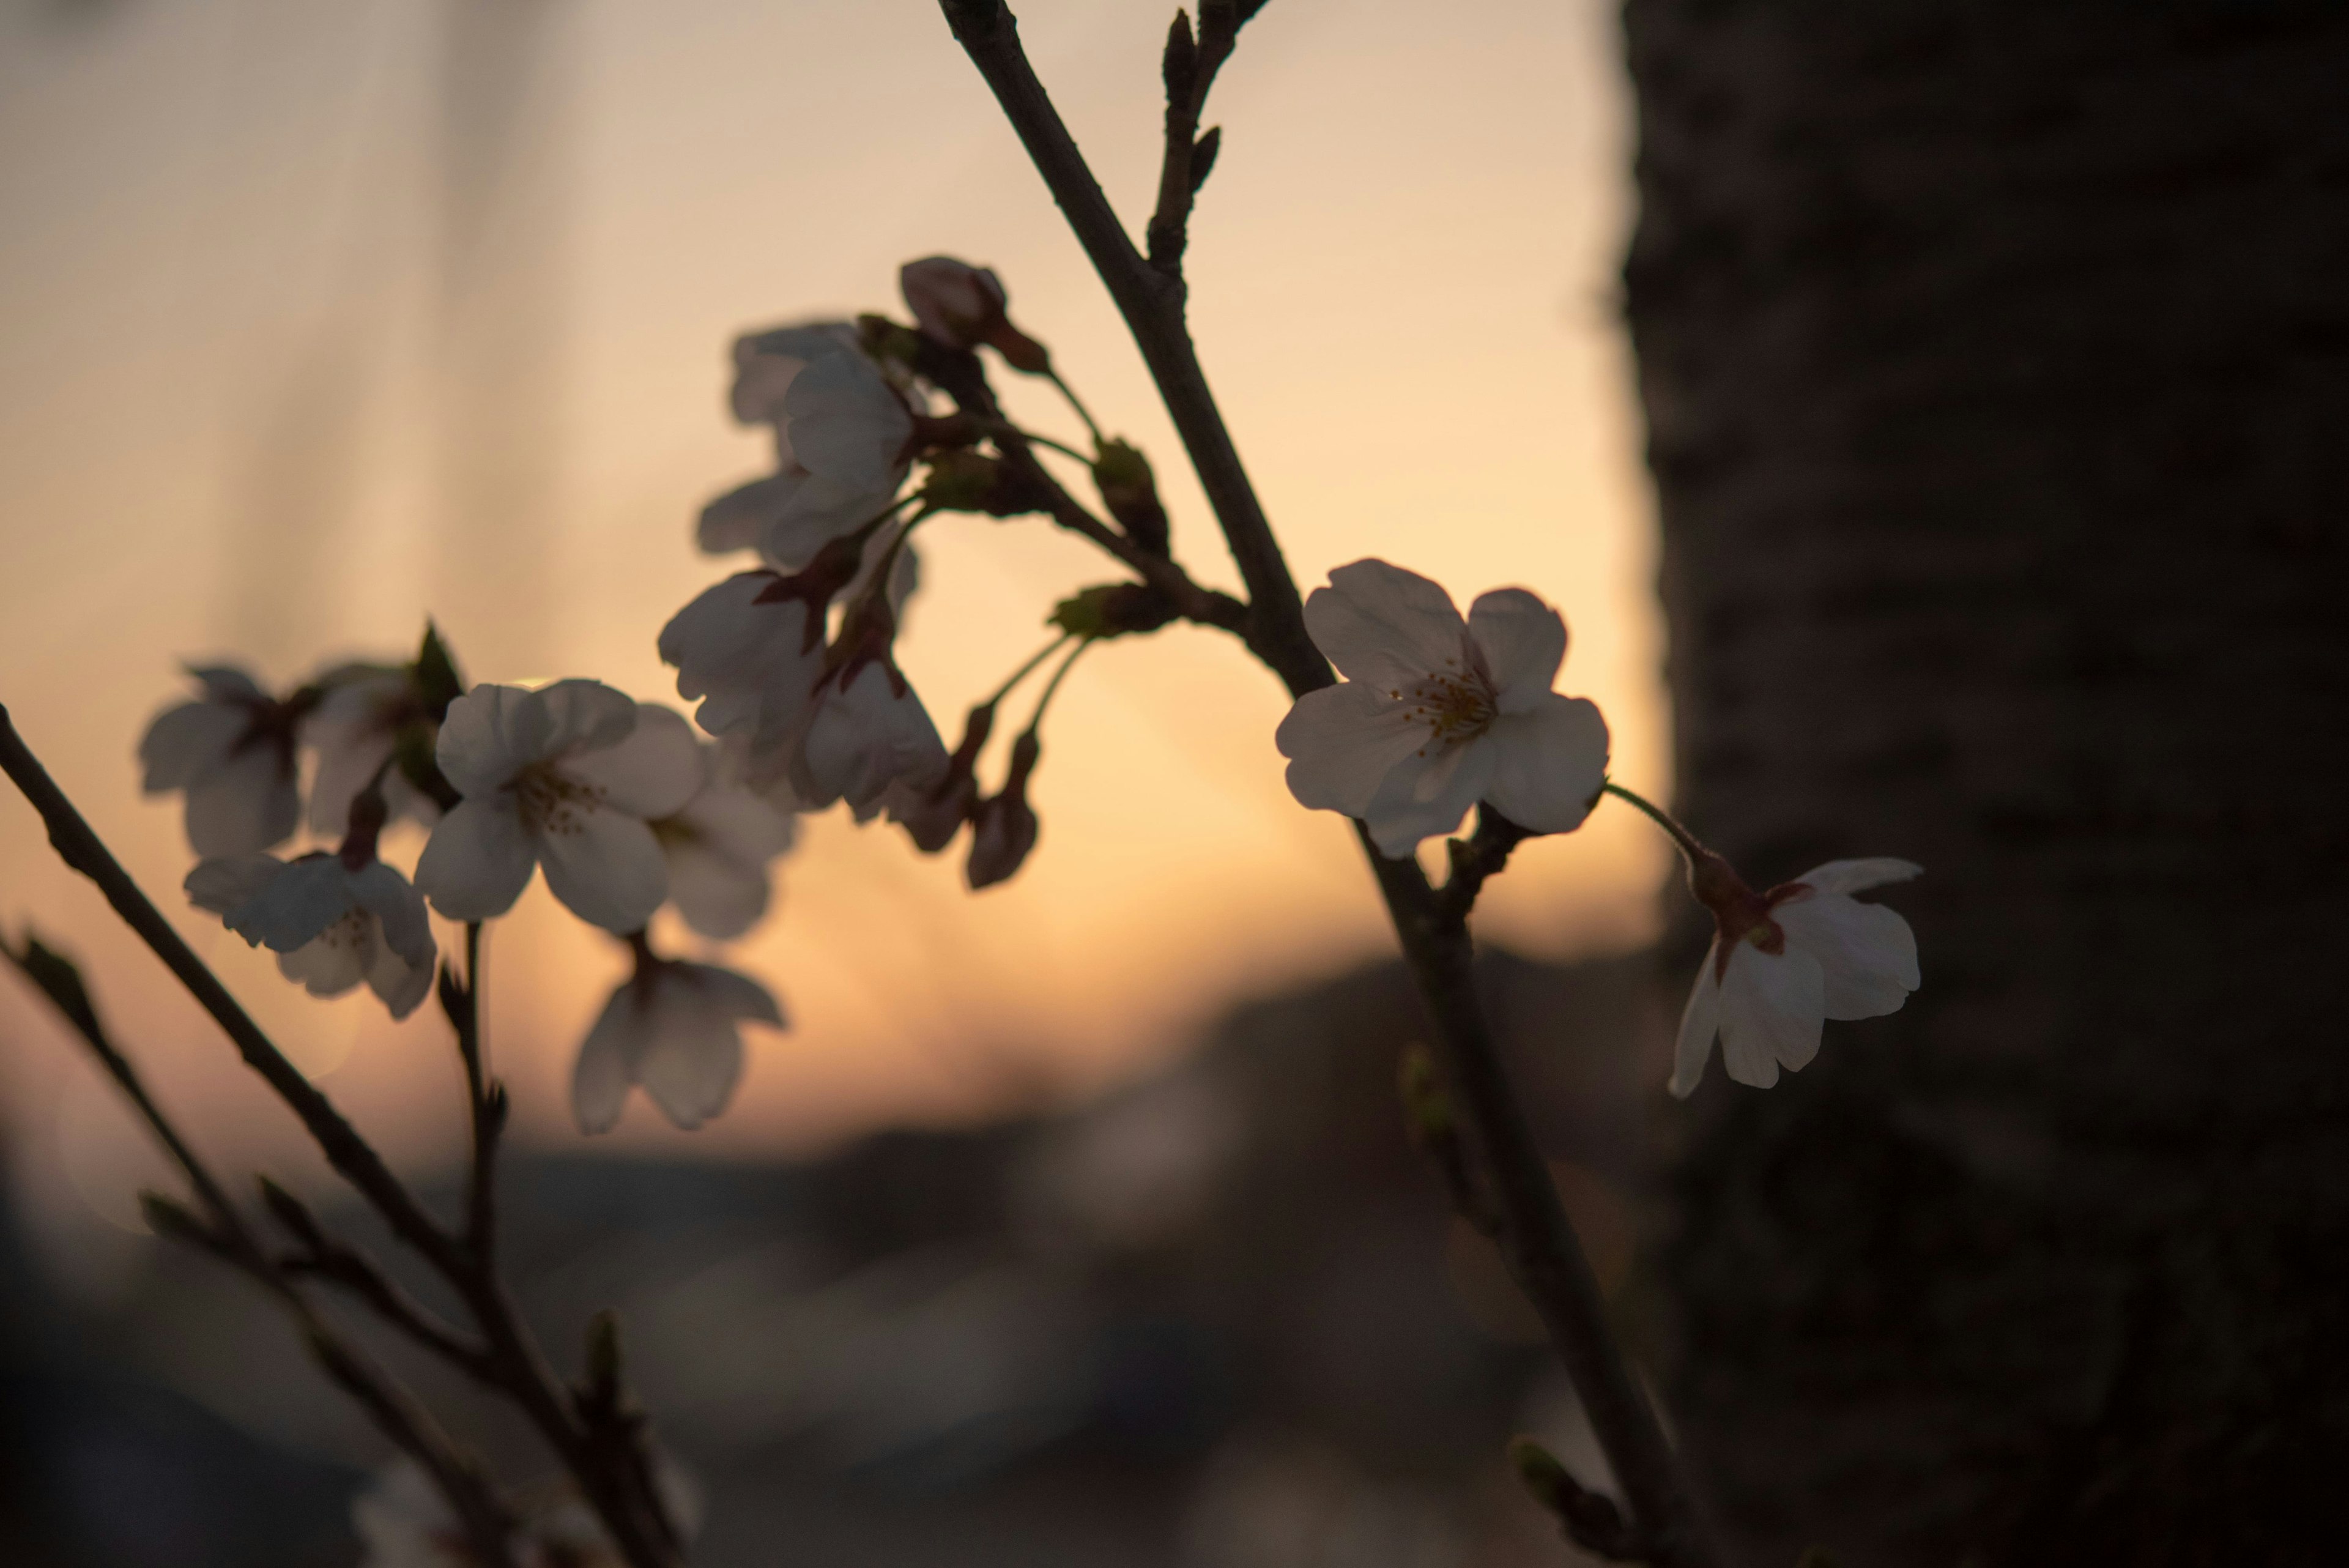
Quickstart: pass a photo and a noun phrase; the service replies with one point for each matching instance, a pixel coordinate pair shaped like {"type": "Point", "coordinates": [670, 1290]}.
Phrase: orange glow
{"type": "Point", "coordinates": [229, 352]}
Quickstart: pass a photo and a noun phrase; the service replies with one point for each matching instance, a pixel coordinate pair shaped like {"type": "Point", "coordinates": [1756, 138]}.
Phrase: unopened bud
{"type": "Point", "coordinates": [962, 306]}
{"type": "Point", "coordinates": [1112, 609]}
{"type": "Point", "coordinates": [434, 675]}
{"type": "Point", "coordinates": [174, 1220]}
{"type": "Point", "coordinates": [1004, 827]}
{"type": "Point", "coordinates": [1130, 490]}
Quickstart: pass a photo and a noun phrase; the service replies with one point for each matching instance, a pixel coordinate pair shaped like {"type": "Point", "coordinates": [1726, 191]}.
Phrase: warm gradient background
{"type": "Point", "coordinates": [314, 319]}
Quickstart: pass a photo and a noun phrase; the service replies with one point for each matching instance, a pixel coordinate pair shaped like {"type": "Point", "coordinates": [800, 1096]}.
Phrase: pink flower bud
{"type": "Point", "coordinates": [1003, 829]}
{"type": "Point", "coordinates": [962, 306]}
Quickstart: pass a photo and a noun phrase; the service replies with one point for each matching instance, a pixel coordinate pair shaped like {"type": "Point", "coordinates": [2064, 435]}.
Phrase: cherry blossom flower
{"type": "Point", "coordinates": [231, 752]}
{"type": "Point", "coordinates": [1784, 961]}
{"type": "Point", "coordinates": [568, 777]}
{"type": "Point", "coordinates": [843, 438]}
{"type": "Point", "coordinates": [355, 730]}
{"type": "Point", "coordinates": [675, 1029]}
{"type": "Point", "coordinates": [332, 921]}
{"type": "Point", "coordinates": [962, 306]}
{"type": "Point", "coordinates": [751, 660]}
{"type": "Point", "coordinates": [862, 735]}
{"type": "Point", "coordinates": [719, 846]}
{"type": "Point", "coordinates": [1437, 713]}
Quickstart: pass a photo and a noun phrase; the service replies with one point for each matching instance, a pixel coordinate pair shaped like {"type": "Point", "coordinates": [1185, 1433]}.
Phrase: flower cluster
{"type": "Point", "coordinates": [618, 801]}
{"type": "Point", "coordinates": [1438, 714]}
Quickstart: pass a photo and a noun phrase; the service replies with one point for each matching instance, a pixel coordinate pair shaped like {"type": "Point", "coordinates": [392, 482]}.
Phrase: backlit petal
{"type": "Point", "coordinates": [1699, 1022]}
{"type": "Point", "coordinates": [1865, 951]}
{"type": "Point", "coordinates": [738, 520]}
{"type": "Point", "coordinates": [330, 966]}
{"type": "Point", "coordinates": [490, 734]}
{"type": "Point", "coordinates": [1854, 875]}
{"type": "Point", "coordinates": [1772, 1010]}
{"type": "Point", "coordinates": [694, 1059]}
{"type": "Point", "coordinates": [1549, 763]}
{"type": "Point", "coordinates": [586, 716]}
{"type": "Point", "coordinates": [399, 981]}
{"type": "Point", "coordinates": [188, 742]}
{"type": "Point", "coordinates": [1524, 642]}
{"type": "Point", "coordinates": [845, 422]}
{"type": "Point", "coordinates": [1423, 796]}
{"type": "Point", "coordinates": [607, 867]}
{"type": "Point", "coordinates": [1384, 625]}
{"type": "Point", "coordinates": [1342, 741]}
{"type": "Point", "coordinates": [478, 860]}
{"type": "Point", "coordinates": [231, 881]}
{"type": "Point", "coordinates": [299, 903]}
{"type": "Point", "coordinates": [607, 1059]}
{"type": "Point", "coordinates": [248, 802]}
{"type": "Point", "coordinates": [399, 908]}
{"type": "Point", "coordinates": [650, 773]}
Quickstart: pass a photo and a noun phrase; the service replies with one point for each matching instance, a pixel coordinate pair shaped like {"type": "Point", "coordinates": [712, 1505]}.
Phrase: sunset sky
{"type": "Point", "coordinates": [275, 383]}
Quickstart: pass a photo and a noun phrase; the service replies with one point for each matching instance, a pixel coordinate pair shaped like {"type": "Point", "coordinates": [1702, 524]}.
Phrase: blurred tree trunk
{"type": "Point", "coordinates": [1993, 362]}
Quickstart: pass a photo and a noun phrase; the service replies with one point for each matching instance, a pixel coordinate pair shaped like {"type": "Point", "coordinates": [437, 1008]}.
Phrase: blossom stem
{"type": "Point", "coordinates": [1077, 404]}
{"type": "Point", "coordinates": [1545, 1255]}
{"type": "Point", "coordinates": [1063, 448]}
{"type": "Point", "coordinates": [1685, 841]}
{"type": "Point", "coordinates": [513, 1363]}
{"type": "Point", "coordinates": [1052, 686]}
{"type": "Point", "coordinates": [1028, 667]}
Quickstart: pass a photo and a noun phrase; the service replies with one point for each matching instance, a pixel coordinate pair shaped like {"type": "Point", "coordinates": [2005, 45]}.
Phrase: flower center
{"type": "Point", "coordinates": [553, 802]}
{"type": "Point", "coordinates": [1456, 704]}
{"type": "Point", "coordinates": [351, 931]}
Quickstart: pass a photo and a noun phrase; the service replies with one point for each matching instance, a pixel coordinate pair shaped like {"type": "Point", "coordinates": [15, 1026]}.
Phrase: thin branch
{"type": "Point", "coordinates": [1189, 70]}
{"type": "Point", "coordinates": [224, 1234]}
{"type": "Point", "coordinates": [1475, 860]}
{"type": "Point", "coordinates": [964, 379]}
{"type": "Point", "coordinates": [513, 1361]}
{"type": "Point", "coordinates": [348, 1153]}
{"type": "Point", "coordinates": [1544, 1252]}
{"type": "Point", "coordinates": [1152, 304]}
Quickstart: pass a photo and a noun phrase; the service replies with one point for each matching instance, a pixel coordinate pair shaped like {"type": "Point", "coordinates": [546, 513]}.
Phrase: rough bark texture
{"type": "Point", "coordinates": [1994, 358]}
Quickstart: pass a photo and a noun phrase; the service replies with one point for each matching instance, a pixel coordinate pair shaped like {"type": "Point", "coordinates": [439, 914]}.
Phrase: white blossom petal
{"type": "Point", "coordinates": [398, 981]}
{"type": "Point", "coordinates": [1523, 641]}
{"type": "Point", "coordinates": [586, 716]}
{"type": "Point", "coordinates": [606, 868]}
{"type": "Point", "coordinates": [478, 860]}
{"type": "Point", "coordinates": [738, 520]}
{"type": "Point", "coordinates": [1773, 1007]}
{"type": "Point", "coordinates": [1867, 953]}
{"type": "Point", "coordinates": [736, 995]}
{"type": "Point", "coordinates": [1856, 876]}
{"type": "Point", "coordinates": [608, 1060]}
{"type": "Point", "coordinates": [846, 422]}
{"type": "Point", "coordinates": [821, 510]}
{"type": "Point", "coordinates": [1699, 1022]}
{"type": "Point", "coordinates": [1385, 627]}
{"type": "Point", "coordinates": [231, 881]}
{"type": "Point", "coordinates": [766, 363]}
{"type": "Point", "coordinates": [399, 908]}
{"type": "Point", "coordinates": [1549, 761]}
{"type": "Point", "coordinates": [1342, 741]}
{"type": "Point", "coordinates": [1424, 795]}
{"type": "Point", "coordinates": [248, 802]}
{"type": "Point", "coordinates": [651, 772]}
{"type": "Point", "coordinates": [750, 663]}
{"type": "Point", "coordinates": [332, 964]}
{"type": "Point", "coordinates": [491, 733]}
{"type": "Point", "coordinates": [694, 1059]}
{"type": "Point", "coordinates": [185, 742]}
{"type": "Point", "coordinates": [304, 900]}
{"type": "Point", "coordinates": [859, 742]}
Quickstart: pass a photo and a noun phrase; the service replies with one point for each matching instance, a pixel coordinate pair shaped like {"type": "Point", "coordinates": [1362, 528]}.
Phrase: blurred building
{"type": "Point", "coordinates": [1221, 1319]}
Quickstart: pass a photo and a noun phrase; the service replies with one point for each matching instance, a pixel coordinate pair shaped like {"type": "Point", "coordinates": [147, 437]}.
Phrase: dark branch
{"type": "Point", "coordinates": [224, 1233]}
{"type": "Point", "coordinates": [1541, 1245]}
{"type": "Point", "coordinates": [1152, 304]}
{"type": "Point", "coordinates": [1475, 860]}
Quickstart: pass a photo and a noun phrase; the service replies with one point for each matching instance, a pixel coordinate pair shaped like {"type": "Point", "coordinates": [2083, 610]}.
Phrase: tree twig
{"type": "Point", "coordinates": [1152, 304]}
{"type": "Point", "coordinates": [513, 1361]}
{"type": "Point", "coordinates": [1545, 1255]}
{"type": "Point", "coordinates": [224, 1233]}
